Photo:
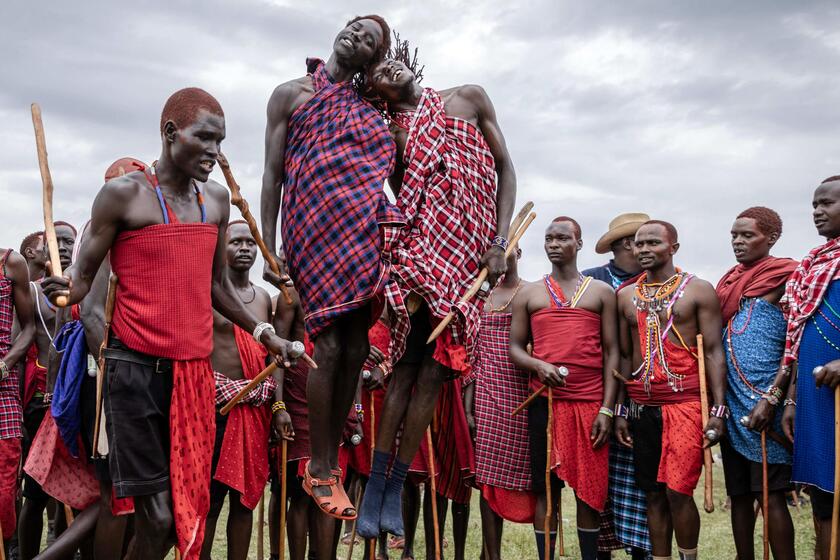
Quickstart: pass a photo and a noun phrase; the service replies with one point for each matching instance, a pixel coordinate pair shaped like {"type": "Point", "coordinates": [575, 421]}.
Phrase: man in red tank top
{"type": "Point", "coordinates": [571, 320]}
{"type": "Point", "coordinates": [166, 235]}
{"type": "Point", "coordinates": [15, 300]}
{"type": "Point", "coordinates": [660, 316]}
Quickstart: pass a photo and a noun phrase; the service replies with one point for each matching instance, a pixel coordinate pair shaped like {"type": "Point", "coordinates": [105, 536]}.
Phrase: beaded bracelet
{"type": "Point", "coordinates": [621, 411]}
{"type": "Point", "coordinates": [720, 411]}
{"type": "Point", "coordinates": [277, 407]}
{"type": "Point", "coordinates": [500, 242]}
{"type": "Point", "coordinates": [773, 395]}
{"type": "Point", "coordinates": [606, 411]}
{"type": "Point", "coordinates": [359, 409]}
{"type": "Point", "coordinates": [790, 402]}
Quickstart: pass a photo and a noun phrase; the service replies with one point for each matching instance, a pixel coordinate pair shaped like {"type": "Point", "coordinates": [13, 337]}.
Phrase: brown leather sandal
{"type": "Point", "coordinates": [337, 504]}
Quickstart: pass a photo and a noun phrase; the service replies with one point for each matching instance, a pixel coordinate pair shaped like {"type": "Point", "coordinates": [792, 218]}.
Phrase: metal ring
{"type": "Point", "coordinates": [297, 349]}
{"type": "Point", "coordinates": [563, 371]}
{"type": "Point", "coordinates": [745, 420]}
{"type": "Point", "coordinates": [356, 439]}
{"type": "Point", "coordinates": [485, 287]}
{"type": "Point", "coordinates": [817, 370]}
{"type": "Point", "coordinates": [366, 374]}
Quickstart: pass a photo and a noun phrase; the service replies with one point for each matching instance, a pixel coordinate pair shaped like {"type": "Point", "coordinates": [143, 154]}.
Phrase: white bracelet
{"type": "Point", "coordinates": [261, 328]}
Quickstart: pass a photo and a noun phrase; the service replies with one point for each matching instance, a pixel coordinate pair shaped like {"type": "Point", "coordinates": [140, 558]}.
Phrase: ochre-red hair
{"type": "Point", "coordinates": [768, 221]}
{"type": "Point", "coordinates": [669, 227]}
{"type": "Point", "coordinates": [575, 225]}
{"type": "Point", "coordinates": [123, 166]}
{"type": "Point", "coordinates": [183, 107]}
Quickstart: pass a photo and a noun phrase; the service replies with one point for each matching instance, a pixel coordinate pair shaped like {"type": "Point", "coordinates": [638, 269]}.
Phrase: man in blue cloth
{"type": "Point", "coordinates": [754, 342]}
{"type": "Point", "coordinates": [813, 342]}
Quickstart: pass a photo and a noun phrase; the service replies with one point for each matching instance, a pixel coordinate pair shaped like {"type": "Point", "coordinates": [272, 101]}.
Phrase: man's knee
{"type": "Point", "coordinates": [678, 499]}
{"type": "Point", "coordinates": [657, 500]}
{"type": "Point", "coordinates": [158, 514]}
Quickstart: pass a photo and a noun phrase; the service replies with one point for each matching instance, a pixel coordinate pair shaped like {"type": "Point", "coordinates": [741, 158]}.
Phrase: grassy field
{"type": "Point", "coordinates": [518, 542]}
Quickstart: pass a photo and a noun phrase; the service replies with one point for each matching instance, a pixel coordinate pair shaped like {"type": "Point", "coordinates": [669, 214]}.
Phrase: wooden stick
{"type": "Point", "coordinates": [68, 515]}
{"type": "Point", "coordinates": [548, 500]}
{"type": "Point", "coordinates": [257, 380]}
{"type": "Point", "coordinates": [284, 453]}
{"type": "Point", "coordinates": [527, 402]}
{"type": "Point", "coordinates": [237, 200]}
{"type": "Point", "coordinates": [46, 180]}
{"type": "Point", "coordinates": [765, 495]}
{"type": "Point", "coordinates": [177, 553]}
{"type": "Point", "coordinates": [435, 522]}
{"type": "Point", "coordinates": [110, 301]}
{"type": "Point", "coordinates": [2, 544]}
{"type": "Point", "coordinates": [373, 541]}
{"type": "Point", "coordinates": [352, 544]}
{"type": "Point", "coordinates": [482, 276]}
{"type": "Point", "coordinates": [708, 489]}
{"type": "Point", "coordinates": [260, 535]}
{"type": "Point", "coordinates": [835, 510]}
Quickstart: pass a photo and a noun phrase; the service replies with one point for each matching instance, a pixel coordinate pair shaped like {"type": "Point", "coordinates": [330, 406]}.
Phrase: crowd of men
{"type": "Point", "coordinates": [113, 375]}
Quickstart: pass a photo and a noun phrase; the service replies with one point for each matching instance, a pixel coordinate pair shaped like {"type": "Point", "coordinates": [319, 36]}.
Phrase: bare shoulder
{"type": "Point", "coordinates": [288, 96]}
{"type": "Point", "coordinates": [16, 269]}
{"type": "Point", "coordinates": [603, 290]}
{"type": "Point", "coordinates": [216, 191]}
{"type": "Point", "coordinates": [701, 290]}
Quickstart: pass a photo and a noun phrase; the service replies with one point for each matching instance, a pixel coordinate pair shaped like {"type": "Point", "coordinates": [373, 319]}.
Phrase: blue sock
{"type": "Point", "coordinates": [391, 520]}
{"type": "Point", "coordinates": [588, 539]}
{"type": "Point", "coordinates": [540, 538]}
{"type": "Point", "coordinates": [367, 524]}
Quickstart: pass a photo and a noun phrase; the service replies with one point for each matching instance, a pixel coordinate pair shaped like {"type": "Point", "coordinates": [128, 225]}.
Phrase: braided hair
{"type": "Point", "coordinates": [401, 51]}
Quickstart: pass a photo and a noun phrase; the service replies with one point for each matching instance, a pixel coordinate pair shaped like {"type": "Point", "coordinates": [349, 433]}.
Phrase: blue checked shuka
{"type": "Point", "coordinates": [337, 226]}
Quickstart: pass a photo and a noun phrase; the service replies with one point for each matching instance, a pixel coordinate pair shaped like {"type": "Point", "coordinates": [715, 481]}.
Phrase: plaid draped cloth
{"type": "Point", "coordinates": [11, 411]}
{"type": "Point", "coordinates": [448, 198]}
{"type": "Point", "coordinates": [337, 225]}
{"type": "Point", "coordinates": [806, 289]}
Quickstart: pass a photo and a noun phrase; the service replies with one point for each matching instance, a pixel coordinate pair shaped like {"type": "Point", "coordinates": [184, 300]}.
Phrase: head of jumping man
{"type": "Point", "coordinates": [826, 205]}
{"type": "Point", "coordinates": [192, 127]}
{"type": "Point", "coordinates": [241, 246]}
{"type": "Point", "coordinates": [562, 240]}
{"type": "Point", "coordinates": [754, 233]}
{"type": "Point", "coordinates": [655, 245]}
{"type": "Point", "coordinates": [364, 41]}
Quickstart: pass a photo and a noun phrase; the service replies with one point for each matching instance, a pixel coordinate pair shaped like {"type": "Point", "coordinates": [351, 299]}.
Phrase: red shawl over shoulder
{"type": "Point", "coordinates": [752, 280]}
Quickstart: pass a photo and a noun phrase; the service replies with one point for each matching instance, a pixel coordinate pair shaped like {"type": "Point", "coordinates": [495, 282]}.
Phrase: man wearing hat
{"type": "Point", "coordinates": [627, 502]}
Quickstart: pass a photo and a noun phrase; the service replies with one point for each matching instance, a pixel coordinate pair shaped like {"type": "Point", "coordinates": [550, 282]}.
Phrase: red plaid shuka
{"type": "Point", "coordinates": [337, 225]}
{"type": "Point", "coordinates": [448, 198]}
{"type": "Point", "coordinates": [805, 291]}
{"type": "Point", "coordinates": [11, 412]}
{"type": "Point", "coordinates": [501, 442]}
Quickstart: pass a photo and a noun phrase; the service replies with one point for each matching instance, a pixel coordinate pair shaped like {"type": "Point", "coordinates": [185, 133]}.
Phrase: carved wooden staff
{"type": "Point", "coordinates": [433, 483]}
{"type": "Point", "coordinates": [46, 180]}
{"type": "Point", "coordinates": [237, 200]}
{"type": "Point", "coordinates": [519, 225]}
{"type": "Point", "coordinates": [765, 495]}
{"type": "Point", "coordinates": [110, 301]}
{"type": "Point", "coordinates": [548, 500]}
{"type": "Point", "coordinates": [373, 541]}
{"type": "Point", "coordinates": [708, 488]}
{"type": "Point", "coordinates": [835, 510]}
{"type": "Point", "coordinates": [284, 452]}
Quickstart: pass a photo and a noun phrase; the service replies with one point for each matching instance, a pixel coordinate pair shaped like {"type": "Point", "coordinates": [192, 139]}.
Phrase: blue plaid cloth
{"type": "Point", "coordinates": [628, 501]}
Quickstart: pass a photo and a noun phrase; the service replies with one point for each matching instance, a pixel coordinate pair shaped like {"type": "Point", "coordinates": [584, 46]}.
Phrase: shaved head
{"type": "Point", "coordinates": [183, 107]}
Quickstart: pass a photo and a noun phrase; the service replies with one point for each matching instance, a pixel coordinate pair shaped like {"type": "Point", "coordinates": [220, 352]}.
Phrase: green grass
{"type": "Point", "coordinates": [518, 540]}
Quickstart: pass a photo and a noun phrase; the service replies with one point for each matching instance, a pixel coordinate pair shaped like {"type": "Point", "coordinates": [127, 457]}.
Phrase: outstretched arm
{"type": "Point", "coordinates": [17, 272]}
{"type": "Point", "coordinates": [709, 325]}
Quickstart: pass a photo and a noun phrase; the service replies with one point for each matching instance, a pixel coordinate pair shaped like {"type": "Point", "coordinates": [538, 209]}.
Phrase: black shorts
{"type": "Point", "coordinates": [647, 448]}
{"type": "Point", "coordinates": [537, 424]}
{"type": "Point", "coordinates": [33, 415]}
{"type": "Point", "coordinates": [416, 349]}
{"type": "Point", "coordinates": [744, 477]}
{"type": "Point", "coordinates": [218, 490]}
{"type": "Point", "coordinates": [822, 503]}
{"type": "Point", "coordinates": [138, 391]}
{"type": "Point", "coordinates": [87, 410]}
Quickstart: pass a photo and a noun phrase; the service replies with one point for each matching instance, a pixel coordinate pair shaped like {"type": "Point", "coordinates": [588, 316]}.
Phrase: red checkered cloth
{"type": "Point", "coordinates": [453, 450]}
{"type": "Point", "coordinates": [335, 216]}
{"type": "Point", "coordinates": [501, 442]}
{"type": "Point", "coordinates": [448, 198]}
{"type": "Point", "coordinates": [227, 388]}
{"type": "Point", "coordinates": [11, 412]}
{"type": "Point", "coordinates": [805, 291]}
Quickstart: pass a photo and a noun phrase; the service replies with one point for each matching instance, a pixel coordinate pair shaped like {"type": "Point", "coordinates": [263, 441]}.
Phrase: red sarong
{"type": "Point", "coordinates": [35, 375]}
{"type": "Point", "coordinates": [453, 450]}
{"type": "Point", "coordinates": [682, 446]}
{"type": "Point", "coordinates": [754, 280]}
{"type": "Point", "coordinates": [517, 506]}
{"type": "Point", "coordinates": [294, 395]}
{"type": "Point", "coordinates": [163, 309]}
{"type": "Point", "coordinates": [574, 461]}
{"type": "Point", "coordinates": [10, 450]}
{"type": "Point", "coordinates": [448, 198]}
{"type": "Point", "coordinates": [243, 458]}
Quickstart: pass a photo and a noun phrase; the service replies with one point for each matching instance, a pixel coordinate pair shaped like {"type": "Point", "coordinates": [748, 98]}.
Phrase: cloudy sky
{"type": "Point", "coordinates": [690, 111]}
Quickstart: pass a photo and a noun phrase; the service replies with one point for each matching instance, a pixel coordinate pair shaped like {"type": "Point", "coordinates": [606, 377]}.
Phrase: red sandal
{"type": "Point", "coordinates": [337, 503]}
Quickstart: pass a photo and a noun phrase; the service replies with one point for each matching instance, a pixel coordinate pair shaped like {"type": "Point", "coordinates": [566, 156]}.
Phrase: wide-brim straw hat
{"type": "Point", "coordinates": [620, 227]}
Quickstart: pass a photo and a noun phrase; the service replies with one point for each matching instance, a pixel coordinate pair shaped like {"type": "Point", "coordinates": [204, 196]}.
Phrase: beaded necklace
{"type": "Point", "coordinates": [730, 330]}
{"type": "Point", "coordinates": [505, 306]}
{"type": "Point", "coordinates": [662, 299]}
{"type": "Point", "coordinates": [559, 299]}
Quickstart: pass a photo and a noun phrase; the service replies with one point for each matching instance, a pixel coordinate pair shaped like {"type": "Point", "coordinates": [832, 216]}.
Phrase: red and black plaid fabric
{"type": "Point", "coordinates": [448, 198]}
{"type": "Point", "coordinates": [805, 291]}
{"type": "Point", "coordinates": [338, 154]}
{"type": "Point", "coordinates": [11, 412]}
{"type": "Point", "coordinates": [501, 442]}
{"type": "Point", "coordinates": [227, 388]}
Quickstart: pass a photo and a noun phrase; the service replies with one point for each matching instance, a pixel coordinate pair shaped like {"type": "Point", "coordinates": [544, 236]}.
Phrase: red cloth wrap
{"type": "Point", "coordinates": [680, 360]}
{"type": "Point", "coordinates": [570, 337]}
{"type": "Point", "coordinates": [35, 375]}
{"type": "Point", "coordinates": [10, 450]}
{"type": "Point", "coordinates": [163, 305]}
{"type": "Point", "coordinates": [682, 447]}
{"type": "Point", "coordinates": [753, 280]}
{"type": "Point", "coordinates": [294, 395]}
{"type": "Point", "coordinates": [243, 458]}
{"type": "Point", "coordinates": [572, 457]}
{"type": "Point", "coordinates": [517, 506]}
{"type": "Point", "coordinates": [68, 479]}
{"type": "Point", "coordinates": [163, 309]}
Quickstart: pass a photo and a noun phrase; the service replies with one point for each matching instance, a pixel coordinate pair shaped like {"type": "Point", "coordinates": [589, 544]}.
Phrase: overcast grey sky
{"type": "Point", "coordinates": [690, 111]}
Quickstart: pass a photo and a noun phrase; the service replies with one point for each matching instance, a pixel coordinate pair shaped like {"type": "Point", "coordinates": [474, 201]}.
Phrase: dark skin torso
{"type": "Point", "coordinates": [225, 356]}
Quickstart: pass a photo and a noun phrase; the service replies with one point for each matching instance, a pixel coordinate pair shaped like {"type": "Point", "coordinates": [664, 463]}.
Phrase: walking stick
{"type": "Point", "coordinates": [372, 552]}
{"type": "Point", "coordinates": [548, 500]}
{"type": "Point", "coordinates": [237, 200]}
{"type": "Point", "coordinates": [708, 496]}
{"type": "Point", "coordinates": [835, 510]}
{"type": "Point", "coordinates": [765, 494]}
{"type": "Point", "coordinates": [100, 369]}
{"type": "Point", "coordinates": [435, 523]}
{"type": "Point", "coordinates": [260, 535]}
{"type": "Point", "coordinates": [46, 180]}
{"type": "Point", "coordinates": [352, 544]}
{"type": "Point", "coordinates": [2, 544]}
{"type": "Point", "coordinates": [284, 452]}
{"type": "Point", "coordinates": [68, 515]}
{"type": "Point", "coordinates": [527, 402]}
{"type": "Point", "coordinates": [519, 226]}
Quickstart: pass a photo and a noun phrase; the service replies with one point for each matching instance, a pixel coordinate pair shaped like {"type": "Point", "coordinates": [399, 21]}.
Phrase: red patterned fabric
{"type": "Point", "coordinates": [682, 446]}
{"type": "Point", "coordinates": [68, 479]}
{"type": "Point", "coordinates": [163, 303]}
{"type": "Point", "coordinates": [243, 459]}
{"type": "Point", "coordinates": [572, 457]}
{"type": "Point", "coordinates": [448, 198]}
{"type": "Point", "coordinates": [571, 337]}
{"type": "Point", "coordinates": [34, 375]}
{"type": "Point", "coordinates": [754, 280]}
{"type": "Point", "coordinates": [517, 506]}
{"type": "Point", "coordinates": [335, 218]}
{"type": "Point", "coordinates": [11, 411]}
{"type": "Point", "coordinates": [805, 291]}
{"type": "Point", "coordinates": [10, 451]}
{"type": "Point", "coordinates": [453, 450]}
